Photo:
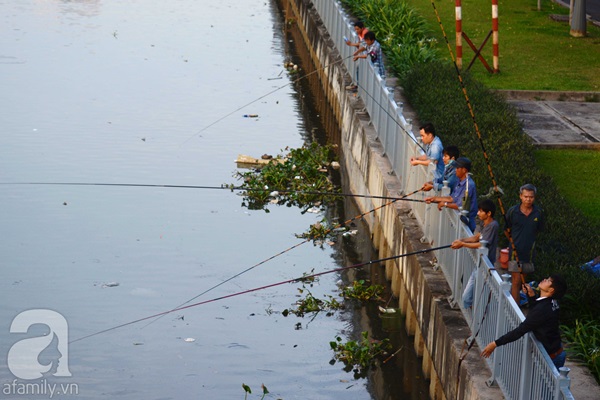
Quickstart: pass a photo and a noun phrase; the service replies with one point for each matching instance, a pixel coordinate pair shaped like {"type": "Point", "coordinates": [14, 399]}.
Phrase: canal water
{"type": "Point", "coordinates": [155, 93]}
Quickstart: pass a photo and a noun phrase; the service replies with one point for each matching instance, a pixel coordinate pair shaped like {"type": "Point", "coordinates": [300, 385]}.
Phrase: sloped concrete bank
{"type": "Point", "coordinates": [439, 331]}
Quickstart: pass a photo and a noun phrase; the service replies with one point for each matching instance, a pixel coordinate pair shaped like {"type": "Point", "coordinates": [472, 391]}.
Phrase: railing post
{"type": "Point", "coordinates": [525, 366]}
{"type": "Point", "coordinates": [457, 265]}
{"type": "Point", "coordinates": [482, 254]}
{"type": "Point", "coordinates": [429, 208]}
{"type": "Point", "coordinates": [500, 325]}
{"type": "Point", "coordinates": [564, 383]}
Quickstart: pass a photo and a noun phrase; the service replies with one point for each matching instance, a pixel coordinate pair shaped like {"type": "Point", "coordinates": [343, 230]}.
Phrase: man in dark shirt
{"type": "Point", "coordinates": [542, 320]}
{"type": "Point", "coordinates": [523, 222]}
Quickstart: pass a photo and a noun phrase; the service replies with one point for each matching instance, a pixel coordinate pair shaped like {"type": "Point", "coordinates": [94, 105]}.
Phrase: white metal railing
{"type": "Point", "coordinates": [522, 369]}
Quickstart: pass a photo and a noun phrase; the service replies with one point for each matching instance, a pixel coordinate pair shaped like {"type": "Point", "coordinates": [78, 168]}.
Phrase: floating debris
{"type": "Point", "coordinates": [110, 284]}
{"type": "Point", "coordinates": [250, 115]}
{"type": "Point", "coordinates": [189, 340]}
{"type": "Point", "coordinates": [387, 310]}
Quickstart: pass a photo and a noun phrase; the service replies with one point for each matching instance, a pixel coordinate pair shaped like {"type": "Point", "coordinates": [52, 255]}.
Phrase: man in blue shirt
{"type": "Point", "coordinates": [464, 194]}
{"type": "Point", "coordinates": [433, 151]}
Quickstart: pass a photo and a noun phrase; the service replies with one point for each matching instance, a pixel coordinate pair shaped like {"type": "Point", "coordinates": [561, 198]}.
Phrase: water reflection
{"type": "Point", "coordinates": [119, 93]}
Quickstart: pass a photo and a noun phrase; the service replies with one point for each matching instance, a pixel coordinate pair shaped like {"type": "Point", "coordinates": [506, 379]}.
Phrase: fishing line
{"type": "Point", "coordinates": [303, 278]}
{"type": "Point", "coordinates": [222, 187]}
{"type": "Point", "coordinates": [392, 117]}
{"type": "Point", "coordinates": [262, 97]}
{"type": "Point", "coordinates": [483, 149]}
{"type": "Point", "coordinates": [492, 176]}
{"type": "Point", "coordinates": [283, 252]}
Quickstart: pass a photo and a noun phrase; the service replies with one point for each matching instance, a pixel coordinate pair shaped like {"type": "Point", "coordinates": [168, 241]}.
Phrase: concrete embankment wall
{"type": "Point", "coordinates": [439, 331]}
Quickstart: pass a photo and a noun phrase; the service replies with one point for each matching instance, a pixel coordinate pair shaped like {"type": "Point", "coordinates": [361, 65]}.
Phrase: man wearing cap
{"type": "Point", "coordinates": [464, 194]}
{"type": "Point", "coordinates": [542, 320]}
{"type": "Point", "coordinates": [433, 151]}
{"type": "Point", "coordinates": [523, 222]}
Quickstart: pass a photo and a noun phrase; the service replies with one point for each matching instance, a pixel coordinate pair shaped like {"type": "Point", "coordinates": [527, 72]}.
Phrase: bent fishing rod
{"type": "Point", "coordinates": [480, 139]}
{"type": "Point", "coordinates": [294, 280]}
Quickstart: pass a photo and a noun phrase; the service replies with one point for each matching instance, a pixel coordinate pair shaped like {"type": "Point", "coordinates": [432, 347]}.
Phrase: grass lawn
{"type": "Point", "coordinates": [536, 53]}
{"type": "Point", "coordinates": [575, 172]}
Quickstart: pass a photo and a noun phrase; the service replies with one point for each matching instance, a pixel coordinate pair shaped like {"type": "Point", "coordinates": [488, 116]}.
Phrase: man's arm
{"type": "Point", "coordinates": [535, 317]}
{"type": "Point", "coordinates": [420, 160]}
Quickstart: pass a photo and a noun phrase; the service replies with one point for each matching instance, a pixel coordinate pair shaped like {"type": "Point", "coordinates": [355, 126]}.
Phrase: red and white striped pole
{"type": "Point", "coordinates": [458, 15]}
{"type": "Point", "coordinates": [495, 34]}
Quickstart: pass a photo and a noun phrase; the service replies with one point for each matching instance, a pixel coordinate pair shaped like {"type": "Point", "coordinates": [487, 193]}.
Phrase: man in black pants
{"type": "Point", "coordinates": [542, 320]}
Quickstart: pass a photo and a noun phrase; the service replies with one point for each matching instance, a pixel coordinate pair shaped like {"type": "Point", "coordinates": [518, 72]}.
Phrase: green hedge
{"type": "Point", "coordinates": [432, 87]}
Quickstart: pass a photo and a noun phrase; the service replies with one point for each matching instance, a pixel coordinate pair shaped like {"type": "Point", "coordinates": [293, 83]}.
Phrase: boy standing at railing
{"type": "Point", "coordinates": [542, 320]}
{"type": "Point", "coordinates": [486, 231]}
{"type": "Point", "coordinates": [450, 154]}
{"type": "Point", "coordinates": [360, 30]}
{"type": "Point", "coordinates": [372, 49]}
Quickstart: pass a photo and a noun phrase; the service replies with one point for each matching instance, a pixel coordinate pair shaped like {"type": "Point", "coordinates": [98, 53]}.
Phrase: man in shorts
{"type": "Point", "coordinates": [523, 222]}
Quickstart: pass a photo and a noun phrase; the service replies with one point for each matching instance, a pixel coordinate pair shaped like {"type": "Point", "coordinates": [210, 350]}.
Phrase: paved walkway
{"type": "Point", "coordinates": [559, 119]}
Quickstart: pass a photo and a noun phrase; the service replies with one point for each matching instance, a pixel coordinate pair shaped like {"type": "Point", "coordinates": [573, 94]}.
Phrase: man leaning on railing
{"type": "Point", "coordinates": [542, 320]}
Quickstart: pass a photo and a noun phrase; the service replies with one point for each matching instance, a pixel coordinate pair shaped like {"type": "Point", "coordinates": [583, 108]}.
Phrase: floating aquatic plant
{"type": "Point", "coordinates": [301, 180]}
{"type": "Point", "coordinates": [361, 290]}
{"type": "Point", "coordinates": [248, 391]}
{"type": "Point", "coordinates": [312, 304]}
{"type": "Point", "coordinates": [359, 356]}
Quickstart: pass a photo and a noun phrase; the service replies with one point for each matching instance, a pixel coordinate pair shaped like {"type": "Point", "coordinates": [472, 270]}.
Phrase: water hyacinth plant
{"type": "Point", "coordinates": [301, 180]}
{"type": "Point", "coordinates": [359, 356]}
{"type": "Point", "coordinates": [361, 290]}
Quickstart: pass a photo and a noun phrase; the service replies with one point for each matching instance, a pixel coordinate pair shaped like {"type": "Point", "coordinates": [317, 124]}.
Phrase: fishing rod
{"type": "Point", "coordinates": [294, 280]}
{"type": "Point", "coordinates": [222, 187]}
{"type": "Point", "coordinates": [285, 251]}
{"type": "Point", "coordinates": [480, 139]}
{"type": "Point", "coordinates": [407, 133]}
{"type": "Point", "coordinates": [262, 97]}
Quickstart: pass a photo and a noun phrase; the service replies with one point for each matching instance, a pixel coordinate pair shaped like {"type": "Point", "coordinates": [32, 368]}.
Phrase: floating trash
{"type": "Point", "coordinates": [350, 233]}
{"type": "Point", "coordinates": [387, 310]}
{"type": "Point", "coordinates": [189, 340]}
{"type": "Point", "coordinates": [250, 115]}
{"type": "Point", "coordinates": [110, 284]}
{"type": "Point", "coordinates": [314, 210]}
